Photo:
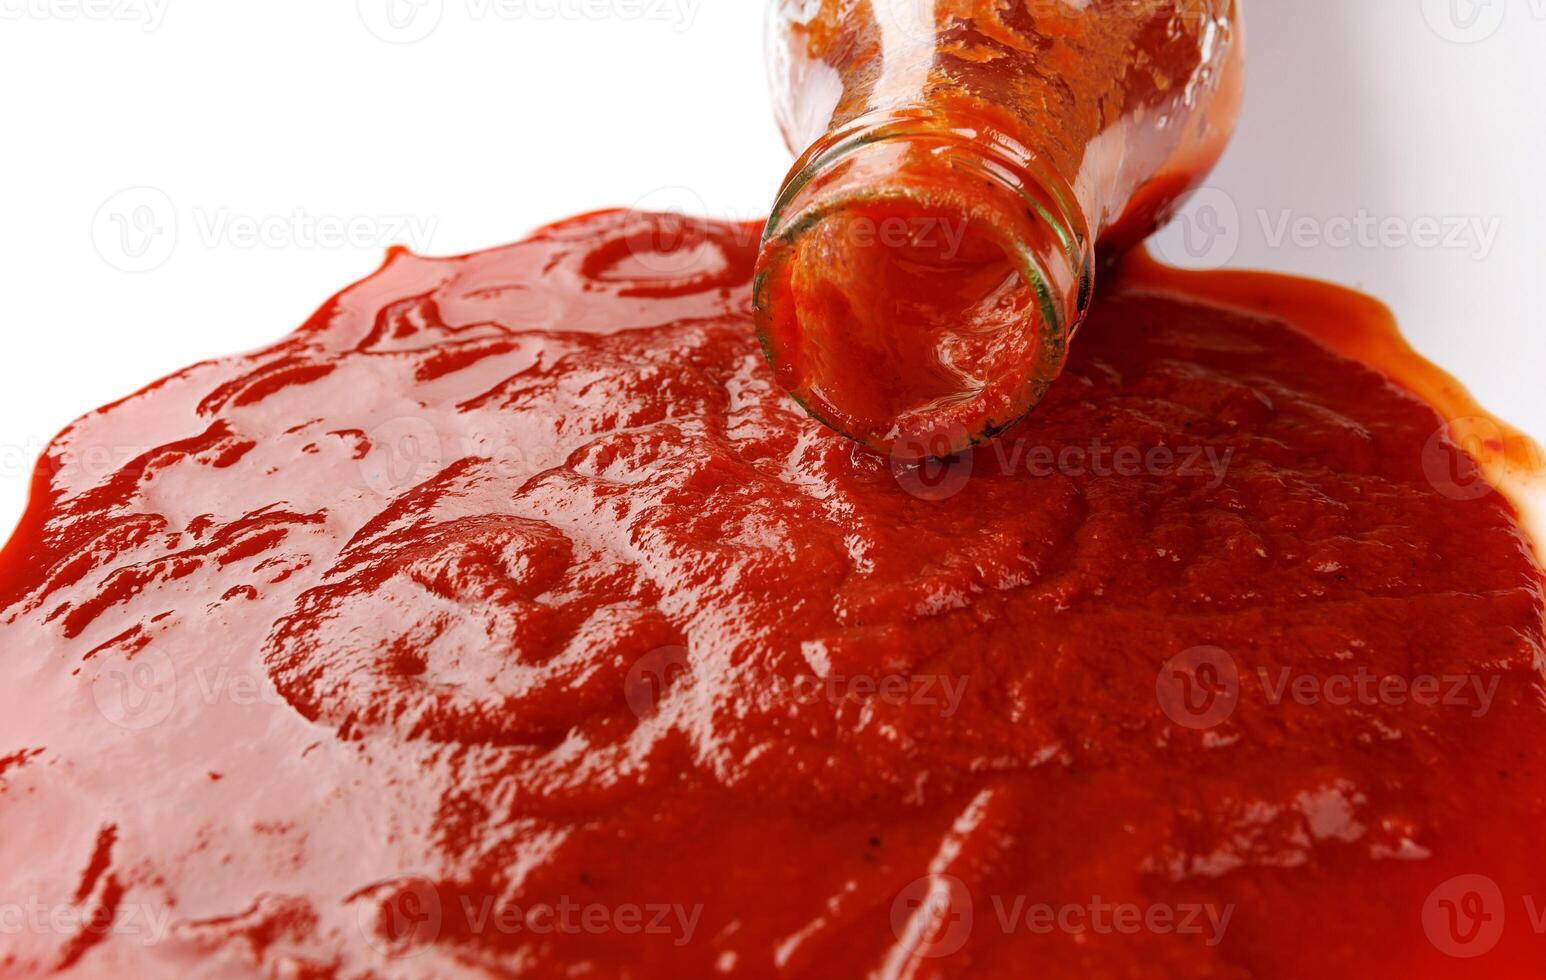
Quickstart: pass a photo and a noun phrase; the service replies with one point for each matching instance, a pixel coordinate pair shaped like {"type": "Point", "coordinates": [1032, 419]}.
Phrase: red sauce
{"type": "Point", "coordinates": [507, 619]}
{"type": "Point", "coordinates": [931, 253]}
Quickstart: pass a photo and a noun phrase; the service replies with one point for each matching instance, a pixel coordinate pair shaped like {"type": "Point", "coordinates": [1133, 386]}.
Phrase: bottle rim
{"type": "Point", "coordinates": [1032, 215]}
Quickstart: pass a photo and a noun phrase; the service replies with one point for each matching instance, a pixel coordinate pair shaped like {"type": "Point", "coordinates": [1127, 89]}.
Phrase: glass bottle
{"type": "Point", "coordinates": [933, 249]}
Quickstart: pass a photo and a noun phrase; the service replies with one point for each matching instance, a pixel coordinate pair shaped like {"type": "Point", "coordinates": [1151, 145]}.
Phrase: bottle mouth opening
{"type": "Point", "coordinates": [913, 292]}
{"type": "Point", "coordinates": [906, 324]}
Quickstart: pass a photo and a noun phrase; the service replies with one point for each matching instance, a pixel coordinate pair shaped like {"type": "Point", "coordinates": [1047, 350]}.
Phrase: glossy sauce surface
{"type": "Point", "coordinates": [507, 619]}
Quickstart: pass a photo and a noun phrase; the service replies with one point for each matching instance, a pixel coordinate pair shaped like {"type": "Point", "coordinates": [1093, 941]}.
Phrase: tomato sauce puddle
{"type": "Point", "coordinates": [507, 618]}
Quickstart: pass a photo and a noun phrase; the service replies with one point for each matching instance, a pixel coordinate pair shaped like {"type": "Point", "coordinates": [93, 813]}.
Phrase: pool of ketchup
{"type": "Point", "coordinates": [507, 619]}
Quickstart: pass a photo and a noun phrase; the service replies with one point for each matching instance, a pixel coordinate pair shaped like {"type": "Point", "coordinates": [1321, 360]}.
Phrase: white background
{"type": "Point", "coordinates": [177, 172]}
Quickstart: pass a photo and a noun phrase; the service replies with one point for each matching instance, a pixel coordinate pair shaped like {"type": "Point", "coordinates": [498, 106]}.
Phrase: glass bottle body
{"type": "Point", "coordinates": [933, 250]}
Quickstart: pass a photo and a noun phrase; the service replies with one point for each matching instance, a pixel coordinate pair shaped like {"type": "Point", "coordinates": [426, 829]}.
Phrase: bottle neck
{"type": "Point", "coordinates": [920, 279]}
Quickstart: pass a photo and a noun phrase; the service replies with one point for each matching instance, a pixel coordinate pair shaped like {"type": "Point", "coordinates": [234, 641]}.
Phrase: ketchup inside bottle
{"type": "Point", "coordinates": [932, 252]}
